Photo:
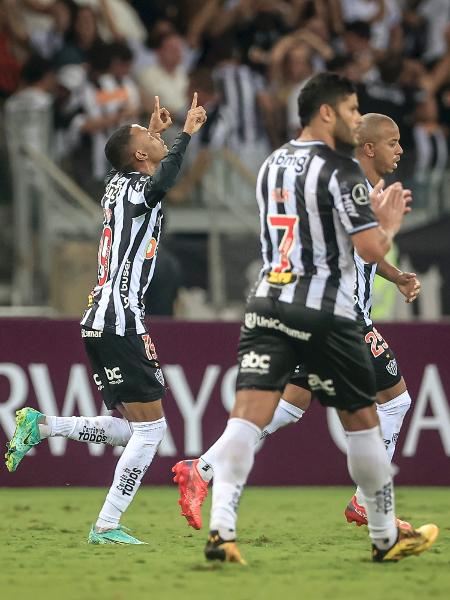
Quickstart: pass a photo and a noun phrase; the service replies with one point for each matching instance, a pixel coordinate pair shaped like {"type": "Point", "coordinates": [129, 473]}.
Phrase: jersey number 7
{"type": "Point", "coordinates": [288, 223]}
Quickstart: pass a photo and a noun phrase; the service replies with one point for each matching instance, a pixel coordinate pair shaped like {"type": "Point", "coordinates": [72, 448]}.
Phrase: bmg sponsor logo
{"type": "Point", "coordinates": [321, 385]}
{"type": "Point", "coordinates": [255, 363]}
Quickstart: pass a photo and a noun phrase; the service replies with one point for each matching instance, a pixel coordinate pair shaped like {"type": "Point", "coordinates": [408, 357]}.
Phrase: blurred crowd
{"type": "Point", "coordinates": [99, 63]}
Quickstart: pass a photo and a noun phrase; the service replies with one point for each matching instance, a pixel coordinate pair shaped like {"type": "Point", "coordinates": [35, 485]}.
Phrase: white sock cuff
{"type": "Point", "coordinates": [373, 431]}
{"type": "Point", "coordinates": [236, 421]}
{"type": "Point", "coordinates": [403, 399]}
{"type": "Point", "coordinates": [295, 411]}
{"type": "Point", "coordinates": [148, 425]}
{"type": "Point", "coordinates": [61, 426]}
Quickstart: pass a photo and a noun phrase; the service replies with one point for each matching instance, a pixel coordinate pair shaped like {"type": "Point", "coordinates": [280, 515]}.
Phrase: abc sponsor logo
{"type": "Point", "coordinates": [255, 363]}
{"type": "Point", "coordinates": [114, 375]}
{"type": "Point", "coordinates": [318, 385]}
{"type": "Point", "coordinates": [98, 382]}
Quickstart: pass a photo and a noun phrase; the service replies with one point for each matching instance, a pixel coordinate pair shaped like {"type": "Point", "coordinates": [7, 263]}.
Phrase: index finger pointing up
{"type": "Point", "coordinates": [156, 109]}
{"type": "Point", "coordinates": [194, 100]}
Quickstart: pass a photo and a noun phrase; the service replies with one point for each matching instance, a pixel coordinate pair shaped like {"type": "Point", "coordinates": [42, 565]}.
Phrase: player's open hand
{"type": "Point", "coordinates": [160, 119]}
{"type": "Point", "coordinates": [195, 118]}
{"type": "Point", "coordinates": [409, 285]}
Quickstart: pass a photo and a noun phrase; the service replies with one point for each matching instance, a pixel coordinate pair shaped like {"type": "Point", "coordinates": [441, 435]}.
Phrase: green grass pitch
{"type": "Point", "coordinates": [296, 541]}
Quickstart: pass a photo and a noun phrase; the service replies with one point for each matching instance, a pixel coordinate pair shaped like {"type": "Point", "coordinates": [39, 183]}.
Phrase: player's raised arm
{"type": "Point", "coordinates": [160, 119]}
{"type": "Point", "coordinates": [195, 118]}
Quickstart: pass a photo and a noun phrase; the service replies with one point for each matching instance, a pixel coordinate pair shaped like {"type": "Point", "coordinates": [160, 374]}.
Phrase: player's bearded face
{"type": "Point", "coordinates": [348, 121]}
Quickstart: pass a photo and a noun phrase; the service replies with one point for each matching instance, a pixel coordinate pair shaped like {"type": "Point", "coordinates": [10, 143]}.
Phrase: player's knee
{"type": "Point", "coordinates": [405, 400]}
{"type": "Point", "coordinates": [151, 431]}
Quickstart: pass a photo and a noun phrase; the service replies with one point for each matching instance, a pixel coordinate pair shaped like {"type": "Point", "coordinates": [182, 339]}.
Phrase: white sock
{"type": "Point", "coordinates": [234, 455]}
{"type": "Point", "coordinates": [369, 467]}
{"type": "Point", "coordinates": [391, 415]}
{"type": "Point", "coordinates": [285, 414]}
{"type": "Point", "coordinates": [132, 465]}
{"type": "Point", "coordinates": [97, 430]}
{"type": "Point", "coordinates": [207, 460]}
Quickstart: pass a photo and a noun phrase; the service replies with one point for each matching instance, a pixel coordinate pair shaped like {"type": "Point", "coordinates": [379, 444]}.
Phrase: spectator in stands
{"type": "Point", "coordinates": [49, 41]}
{"type": "Point", "coordinates": [246, 95]}
{"type": "Point", "coordinates": [12, 37]}
{"type": "Point", "coordinates": [167, 78]}
{"type": "Point", "coordinates": [106, 103]}
{"type": "Point", "coordinates": [30, 108]}
{"type": "Point", "coordinates": [388, 95]}
{"type": "Point", "coordinates": [217, 133]}
{"type": "Point", "coordinates": [431, 155]}
{"type": "Point", "coordinates": [82, 35]}
{"type": "Point", "coordinates": [290, 69]}
{"type": "Point", "coordinates": [71, 80]}
{"type": "Point", "coordinates": [436, 15]}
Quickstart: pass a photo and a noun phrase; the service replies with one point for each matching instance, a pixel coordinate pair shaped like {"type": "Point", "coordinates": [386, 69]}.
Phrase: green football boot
{"type": "Point", "coordinates": [25, 436]}
{"type": "Point", "coordinates": [113, 536]}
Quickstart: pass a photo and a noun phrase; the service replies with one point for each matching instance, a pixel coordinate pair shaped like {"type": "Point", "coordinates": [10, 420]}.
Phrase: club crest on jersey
{"type": "Point", "coordinates": [104, 252]}
{"type": "Point", "coordinates": [391, 367]}
{"type": "Point", "coordinates": [150, 250]}
{"type": "Point", "coordinates": [360, 194]}
{"type": "Point", "coordinates": [159, 376]}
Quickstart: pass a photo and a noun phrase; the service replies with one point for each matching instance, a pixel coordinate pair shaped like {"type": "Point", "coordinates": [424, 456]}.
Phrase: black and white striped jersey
{"type": "Point", "coordinates": [311, 200]}
{"type": "Point", "coordinates": [128, 245]}
{"type": "Point", "coordinates": [365, 277]}
{"type": "Point", "coordinates": [239, 87]}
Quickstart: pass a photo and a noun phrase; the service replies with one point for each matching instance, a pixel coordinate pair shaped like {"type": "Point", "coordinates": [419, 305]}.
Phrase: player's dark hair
{"type": "Point", "coordinates": [35, 69]}
{"type": "Point", "coordinates": [323, 88]}
{"type": "Point", "coordinates": [100, 56]}
{"type": "Point", "coordinates": [116, 149]}
{"type": "Point", "coordinates": [359, 28]}
{"type": "Point", "coordinates": [340, 62]}
{"type": "Point", "coordinates": [121, 51]}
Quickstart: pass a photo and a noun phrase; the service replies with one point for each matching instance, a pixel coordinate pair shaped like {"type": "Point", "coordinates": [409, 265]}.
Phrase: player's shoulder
{"type": "Point", "coordinates": [348, 167]}
{"type": "Point", "coordinates": [138, 181]}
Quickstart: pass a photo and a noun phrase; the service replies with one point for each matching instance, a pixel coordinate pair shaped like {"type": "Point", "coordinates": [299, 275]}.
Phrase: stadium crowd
{"type": "Point", "coordinates": [99, 63]}
{"type": "Point", "coordinates": [86, 67]}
